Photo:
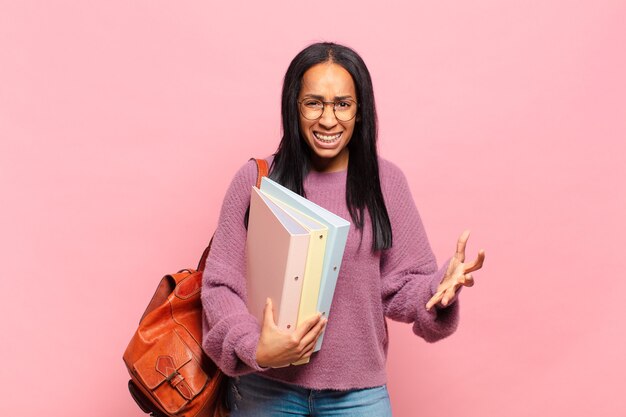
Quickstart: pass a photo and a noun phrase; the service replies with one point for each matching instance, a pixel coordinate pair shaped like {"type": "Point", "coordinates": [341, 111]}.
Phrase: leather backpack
{"type": "Point", "coordinates": [171, 376]}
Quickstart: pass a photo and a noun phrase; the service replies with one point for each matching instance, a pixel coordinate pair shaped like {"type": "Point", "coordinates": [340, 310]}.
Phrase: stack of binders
{"type": "Point", "coordinates": [294, 251]}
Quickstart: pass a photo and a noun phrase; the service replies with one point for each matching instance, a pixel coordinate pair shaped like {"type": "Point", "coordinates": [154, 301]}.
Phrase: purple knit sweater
{"type": "Point", "coordinates": [395, 283]}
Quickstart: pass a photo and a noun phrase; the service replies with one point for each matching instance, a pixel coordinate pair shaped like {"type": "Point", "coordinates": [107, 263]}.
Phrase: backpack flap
{"type": "Point", "coordinates": [171, 373]}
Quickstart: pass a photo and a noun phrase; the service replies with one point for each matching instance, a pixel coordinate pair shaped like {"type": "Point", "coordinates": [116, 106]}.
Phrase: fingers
{"type": "Point", "coordinates": [305, 327]}
{"type": "Point", "coordinates": [460, 246]}
{"type": "Point", "coordinates": [435, 299]}
{"type": "Point", "coordinates": [308, 342]}
{"type": "Point", "coordinates": [457, 274]}
{"type": "Point", "coordinates": [314, 333]}
{"type": "Point", "coordinates": [308, 348]}
{"type": "Point", "coordinates": [478, 262]}
{"type": "Point", "coordinates": [277, 348]}
{"type": "Point", "coordinates": [448, 296]}
{"type": "Point", "coordinates": [268, 314]}
{"type": "Point", "coordinates": [308, 351]}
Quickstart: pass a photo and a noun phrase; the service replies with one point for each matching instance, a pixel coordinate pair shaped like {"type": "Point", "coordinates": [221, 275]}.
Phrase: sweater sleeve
{"type": "Point", "coordinates": [410, 276]}
{"type": "Point", "coordinates": [230, 333]}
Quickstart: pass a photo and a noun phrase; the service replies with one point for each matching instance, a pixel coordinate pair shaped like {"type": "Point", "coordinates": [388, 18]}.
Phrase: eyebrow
{"type": "Point", "coordinates": [321, 98]}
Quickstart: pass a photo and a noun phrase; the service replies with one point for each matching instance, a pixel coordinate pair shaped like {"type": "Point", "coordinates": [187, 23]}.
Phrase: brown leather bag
{"type": "Point", "coordinates": [171, 376]}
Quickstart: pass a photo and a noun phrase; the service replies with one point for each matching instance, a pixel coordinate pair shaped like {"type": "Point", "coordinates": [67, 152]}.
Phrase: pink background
{"type": "Point", "coordinates": [122, 122]}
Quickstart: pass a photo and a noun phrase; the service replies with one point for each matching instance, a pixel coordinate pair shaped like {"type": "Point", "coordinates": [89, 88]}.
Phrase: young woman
{"type": "Point", "coordinates": [328, 154]}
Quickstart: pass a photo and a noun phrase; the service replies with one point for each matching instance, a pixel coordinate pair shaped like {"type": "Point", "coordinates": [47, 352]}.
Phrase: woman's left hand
{"type": "Point", "coordinates": [457, 275]}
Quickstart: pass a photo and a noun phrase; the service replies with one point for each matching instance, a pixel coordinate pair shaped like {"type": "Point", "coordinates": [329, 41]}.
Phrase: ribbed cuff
{"type": "Point", "coordinates": [246, 351]}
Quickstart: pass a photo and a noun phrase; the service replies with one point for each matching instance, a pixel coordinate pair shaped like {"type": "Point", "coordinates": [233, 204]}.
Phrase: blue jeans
{"type": "Point", "coordinates": [254, 396]}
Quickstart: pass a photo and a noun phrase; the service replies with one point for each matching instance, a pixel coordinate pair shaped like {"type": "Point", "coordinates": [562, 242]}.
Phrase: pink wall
{"type": "Point", "coordinates": [122, 122]}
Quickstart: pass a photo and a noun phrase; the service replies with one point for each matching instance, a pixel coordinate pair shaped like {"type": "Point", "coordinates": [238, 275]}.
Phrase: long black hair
{"type": "Point", "coordinates": [293, 157]}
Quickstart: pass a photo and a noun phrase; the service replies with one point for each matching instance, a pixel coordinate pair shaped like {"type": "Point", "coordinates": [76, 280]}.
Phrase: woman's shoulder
{"type": "Point", "coordinates": [245, 177]}
{"type": "Point", "coordinates": [395, 187]}
{"type": "Point", "coordinates": [389, 172]}
{"type": "Point", "coordinates": [247, 173]}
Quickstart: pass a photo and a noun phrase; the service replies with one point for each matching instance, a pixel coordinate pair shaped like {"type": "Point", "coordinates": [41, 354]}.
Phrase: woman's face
{"type": "Point", "coordinates": [327, 137]}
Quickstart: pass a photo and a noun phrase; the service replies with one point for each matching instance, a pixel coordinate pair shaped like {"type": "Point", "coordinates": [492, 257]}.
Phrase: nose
{"type": "Point", "coordinates": [328, 119]}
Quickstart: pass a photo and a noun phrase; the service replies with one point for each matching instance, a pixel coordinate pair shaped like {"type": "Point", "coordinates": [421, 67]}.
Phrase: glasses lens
{"type": "Point", "coordinates": [311, 109]}
{"type": "Point", "coordinates": [345, 110]}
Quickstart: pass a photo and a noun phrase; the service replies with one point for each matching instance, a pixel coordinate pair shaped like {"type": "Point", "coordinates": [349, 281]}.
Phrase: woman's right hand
{"type": "Point", "coordinates": [279, 348]}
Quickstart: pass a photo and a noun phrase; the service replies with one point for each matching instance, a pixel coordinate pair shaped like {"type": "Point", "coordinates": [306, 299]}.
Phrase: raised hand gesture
{"type": "Point", "coordinates": [458, 274]}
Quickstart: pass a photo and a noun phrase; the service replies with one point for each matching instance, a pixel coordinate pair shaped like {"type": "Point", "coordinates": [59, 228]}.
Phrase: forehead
{"type": "Point", "coordinates": [328, 80]}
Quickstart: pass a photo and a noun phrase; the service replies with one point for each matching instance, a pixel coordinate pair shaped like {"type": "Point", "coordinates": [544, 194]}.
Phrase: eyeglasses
{"type": "Point", "coordinates": [313, 109]}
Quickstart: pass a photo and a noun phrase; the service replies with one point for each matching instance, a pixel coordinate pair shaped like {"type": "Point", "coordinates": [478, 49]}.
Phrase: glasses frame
{"type": "Point", "coordinates": [324, 103]}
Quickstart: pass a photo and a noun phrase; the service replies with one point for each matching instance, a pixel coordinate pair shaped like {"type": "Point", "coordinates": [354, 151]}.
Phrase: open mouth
{"type": "Point", "coordinates": [327, 138]}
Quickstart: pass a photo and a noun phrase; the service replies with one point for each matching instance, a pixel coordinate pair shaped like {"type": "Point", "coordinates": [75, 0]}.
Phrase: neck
{"type": "Point", "coordinates": [338, 163]}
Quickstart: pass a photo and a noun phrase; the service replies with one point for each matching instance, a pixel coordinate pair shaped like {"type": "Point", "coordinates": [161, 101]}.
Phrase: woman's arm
{"type": "Point", "coordinates": [409, 272]}
{"type": "Point", "coordinates": [232, 337]}
{"type": "Point", "coordinates": [230, 332]}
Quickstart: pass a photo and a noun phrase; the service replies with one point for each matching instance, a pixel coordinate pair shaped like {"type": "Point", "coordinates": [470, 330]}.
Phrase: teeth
{"type": "Point", "coordinates": [326, 138]}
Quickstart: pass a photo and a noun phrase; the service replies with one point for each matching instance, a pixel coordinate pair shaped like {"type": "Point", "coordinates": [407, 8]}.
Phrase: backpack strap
{"type": "Point", "coordinates": [262, 171]}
